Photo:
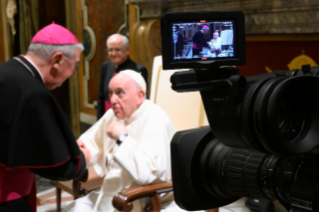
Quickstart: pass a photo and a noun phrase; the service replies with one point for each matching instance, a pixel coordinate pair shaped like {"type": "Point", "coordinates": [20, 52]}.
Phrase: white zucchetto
{"type": "Point", "coordinates": [137, 77]}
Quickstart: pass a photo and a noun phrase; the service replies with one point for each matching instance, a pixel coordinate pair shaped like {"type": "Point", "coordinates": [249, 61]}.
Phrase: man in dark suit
{"type": "Point", "coordinates": [118, 53]}
{"type": "Point", "coordinates": [180, 42]}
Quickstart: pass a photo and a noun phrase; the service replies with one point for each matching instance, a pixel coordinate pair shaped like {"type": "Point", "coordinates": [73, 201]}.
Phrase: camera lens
{"type": "Point", "coordinates": [226, 172]}
{"type": "Point", "coordinates": [230, 172]}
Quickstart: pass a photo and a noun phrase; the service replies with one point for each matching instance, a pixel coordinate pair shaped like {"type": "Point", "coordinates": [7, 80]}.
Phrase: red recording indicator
{"type": "Point", "coordinates": [202, 21]}
{"type": "Point", "coordinates": [204, 58]}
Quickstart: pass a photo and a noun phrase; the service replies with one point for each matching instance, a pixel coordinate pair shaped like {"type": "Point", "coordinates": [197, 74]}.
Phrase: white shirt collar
{"type": "Point", "coordinates": [30, 61]}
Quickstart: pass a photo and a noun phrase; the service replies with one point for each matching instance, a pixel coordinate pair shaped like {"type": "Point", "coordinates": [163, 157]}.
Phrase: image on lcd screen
{"type": "Point", "coordinates": [202, 40]}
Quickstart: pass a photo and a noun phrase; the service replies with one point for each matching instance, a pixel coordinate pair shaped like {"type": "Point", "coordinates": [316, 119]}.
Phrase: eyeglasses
{"type": "Point", "coordinates": [117, 50]}
{"type": "Point", "coordinates": [76, 64]}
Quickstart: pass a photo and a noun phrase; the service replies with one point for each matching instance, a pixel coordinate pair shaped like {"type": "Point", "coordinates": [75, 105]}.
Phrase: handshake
{"type": "Point", "coordinates": [85, 151]}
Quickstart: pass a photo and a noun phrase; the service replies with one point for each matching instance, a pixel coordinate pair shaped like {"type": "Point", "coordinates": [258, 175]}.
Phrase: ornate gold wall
{"type": "Point", "coordinates": [92, 21]}
{"type": "Point", "coordinates": [266, 21]}
{"type": "Point", "coordinates": [267, 18]}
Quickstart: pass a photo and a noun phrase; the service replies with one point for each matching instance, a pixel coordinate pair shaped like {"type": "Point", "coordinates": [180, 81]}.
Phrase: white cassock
{"type": "Point", "coordinates": [216, 44]}
{"type": "Point", "coordinates": [143, 158]}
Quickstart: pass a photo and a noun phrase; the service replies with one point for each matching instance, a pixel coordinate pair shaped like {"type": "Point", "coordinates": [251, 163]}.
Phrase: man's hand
{"type": "Point", "coordinates": [115, 129]}
{"type": "Point", "coordinates": [85, 150]}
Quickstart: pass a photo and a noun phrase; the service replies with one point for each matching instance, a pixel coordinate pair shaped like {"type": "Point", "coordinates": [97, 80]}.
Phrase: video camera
{"type": "Point", "coordinates": [263, 130]}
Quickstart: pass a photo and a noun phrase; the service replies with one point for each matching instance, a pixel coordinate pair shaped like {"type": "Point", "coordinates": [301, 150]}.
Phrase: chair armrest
{"type": "Point", "coordinates": [87, 183]}
{"type": "Point", "coordinates": [122, 201]}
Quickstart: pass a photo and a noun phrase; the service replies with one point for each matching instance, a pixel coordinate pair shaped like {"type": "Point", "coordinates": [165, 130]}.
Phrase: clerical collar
{"type": "Point", "coordinates": [30, 61]}
{"type": "Point", "coordinates": [120, 67]}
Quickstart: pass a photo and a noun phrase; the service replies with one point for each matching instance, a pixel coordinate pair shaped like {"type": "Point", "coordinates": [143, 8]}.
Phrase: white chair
{"type": "Point", "coordinates": [227, 37]}
{"type": "Point", "coordinates": [184, 109]}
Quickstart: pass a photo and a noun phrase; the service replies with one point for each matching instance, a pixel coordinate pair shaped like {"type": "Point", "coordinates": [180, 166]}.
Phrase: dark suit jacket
{"type": "Point", "coordinates": [107, 72]}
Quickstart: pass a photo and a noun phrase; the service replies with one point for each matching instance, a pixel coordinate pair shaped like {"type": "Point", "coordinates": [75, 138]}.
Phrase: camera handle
{"type": "Point", "coordinates": [221, 90]}
{"type": "Point", "coordinates": [203, 79]}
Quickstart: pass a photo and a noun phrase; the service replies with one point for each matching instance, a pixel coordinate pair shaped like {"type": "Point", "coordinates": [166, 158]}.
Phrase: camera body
{"type": "Point", "coordinates": [263, 129]}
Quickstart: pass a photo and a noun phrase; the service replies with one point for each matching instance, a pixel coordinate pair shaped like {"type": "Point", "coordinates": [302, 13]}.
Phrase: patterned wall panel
{"type": "Point", "coordinates": [276, 21]}
{"type": "Point", "coordinates": [105, 17]}
{"type": "Point", "coordinates": [89, 42]}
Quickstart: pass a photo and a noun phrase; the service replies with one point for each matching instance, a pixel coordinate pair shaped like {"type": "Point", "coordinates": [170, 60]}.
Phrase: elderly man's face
{"type": "Point", "coordinates": [205, 31]}
{"type": "Point", "coordinates": [125, 96]}
{"type": "Point", "coordinates": [63, 67]}
{"type": "Point", "coordinates": [215, 36]}
{"type": "Point", "coordinates": [117, 51]}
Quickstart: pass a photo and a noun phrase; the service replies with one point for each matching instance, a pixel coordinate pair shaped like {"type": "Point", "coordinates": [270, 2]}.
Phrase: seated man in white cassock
{"type": "Point", "coordinates": [134, 138]}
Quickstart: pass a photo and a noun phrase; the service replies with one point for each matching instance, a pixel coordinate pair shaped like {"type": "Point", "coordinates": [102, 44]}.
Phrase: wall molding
{"type": "Point", "coordinates": [89, 57]}
{"type": "Point", "coordinates": [87, 118]}
{"type": "Point", "coordinates": [6, 40]}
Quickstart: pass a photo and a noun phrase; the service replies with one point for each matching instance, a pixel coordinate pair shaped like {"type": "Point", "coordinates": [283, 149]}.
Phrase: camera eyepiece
{"type": "Point", "coordinates": [284, 115]}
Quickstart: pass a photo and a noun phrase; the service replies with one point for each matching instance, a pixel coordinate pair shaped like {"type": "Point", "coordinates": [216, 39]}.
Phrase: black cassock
{"type": "Point", "coordinates": [199, 42]}
{"type": "Point", "coordinates": [35, 136]}
{"type": "Point", "coordinates": [179, 44]}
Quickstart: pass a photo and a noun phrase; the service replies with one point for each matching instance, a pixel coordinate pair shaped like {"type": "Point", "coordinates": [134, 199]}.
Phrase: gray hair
{"type": "Point", "coordinates": [45, 51]}
{"type": "Point", "coordinates": [125, 39]}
